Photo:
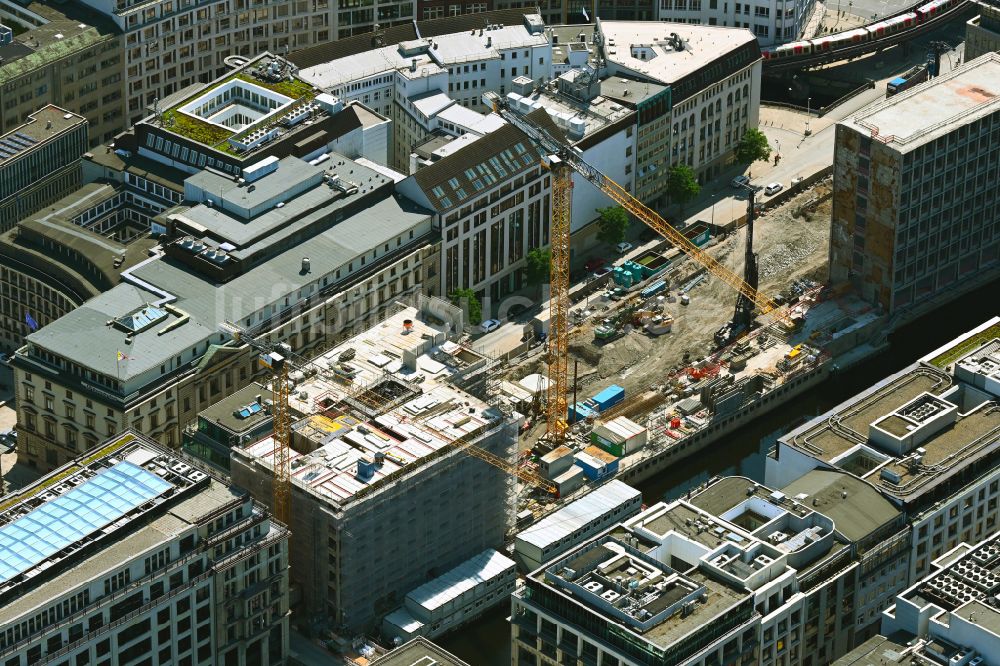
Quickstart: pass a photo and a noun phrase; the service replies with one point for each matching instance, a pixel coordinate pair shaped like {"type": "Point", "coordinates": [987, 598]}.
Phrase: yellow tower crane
{"type": "Point", "coordinates": [277, 358]}
{"type": "Point", "coordinates": [563, 160]}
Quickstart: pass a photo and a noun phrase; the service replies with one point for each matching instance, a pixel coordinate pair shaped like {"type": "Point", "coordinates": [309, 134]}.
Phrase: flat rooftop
{"type": "Point", "coordinates": [82, 334]}
{"type": "Point", "coordinates": [579, 513]}
{"type": "Point", "coordinates": [42, 125]}
{"type": "Point", "coordinates": [595, 114]}
{"type": "Point", "coordinates": [681, 518]}
{"type": "Point", "coordinates": [629, 90]}
{"type": "Point", "coordinates": [878, 651]}
{"type": "Point", "coordinates": [855, 507]}
{"type": "Point", "coordinates": [627, 41]}
{"type": "Point", "coordinates": [932, 109]}
{"type": "Point", "coordinates": [380, 403]}
{"type": "Point", "coordinates": [419, 652]}
{"type": "Point", "coordinates": [652, 600]}
{"type": "Point", "coordinates": [966, 586]}
{"type": "Point", "coordinates": [129, 496]}
{"type": "Point", "coordinates": [240, 411]}
{"type": "Point", "coordinates": [65, 29]}
{"type": "Point", "coordinates": [450, 48]}
{"type": "Point", "coordinates": [843, 435]}
{"type": "Point", "coordinates": [249, 217]}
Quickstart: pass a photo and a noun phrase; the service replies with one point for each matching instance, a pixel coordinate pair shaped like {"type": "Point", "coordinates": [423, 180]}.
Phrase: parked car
{"type": "Point", "coordinates": [490, 325]}
{"type": "Point", "coordinates": [740, 181]}
{"type": "Point", "coordinates": [602, 271]}
{"type": "Point", "coordinates": [623, 247]}
{"type": "Point", "coordinates": [594, 264]}
{"type": "Point", "coordinates": [773, 188]}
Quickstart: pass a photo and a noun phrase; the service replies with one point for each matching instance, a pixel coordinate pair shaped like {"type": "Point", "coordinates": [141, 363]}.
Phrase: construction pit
{"type": "Point", "coordinates": [791, 241]}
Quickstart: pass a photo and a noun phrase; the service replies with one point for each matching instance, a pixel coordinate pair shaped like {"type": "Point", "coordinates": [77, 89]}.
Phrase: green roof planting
{"type": "Point", "coordinates": [210, 134]}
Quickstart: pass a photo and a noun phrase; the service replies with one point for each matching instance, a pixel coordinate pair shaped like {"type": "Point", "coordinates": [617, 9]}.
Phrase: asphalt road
{"type": "Point", "coordinates": [869, 8]}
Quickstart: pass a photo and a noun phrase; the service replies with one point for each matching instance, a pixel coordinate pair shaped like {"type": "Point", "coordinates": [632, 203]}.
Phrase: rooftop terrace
{"type": "Point", "coordinates": [237, 112]}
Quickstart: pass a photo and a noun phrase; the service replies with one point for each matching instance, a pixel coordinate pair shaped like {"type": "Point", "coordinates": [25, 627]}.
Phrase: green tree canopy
{"type": "Point", "coordinates": [682, 185]}
{"type": "Point", "coordinates": [753, 147]}
{"type": "Point", "coordinates": [539, 261]}
{"type": "Point", "coordinates": [466, 299]}
{"type": "Point", "coordinates": [612, 223]}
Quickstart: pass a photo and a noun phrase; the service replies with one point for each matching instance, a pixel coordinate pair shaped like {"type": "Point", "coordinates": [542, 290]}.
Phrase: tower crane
{"type": "Point", "coordinates": [562, 160]}
{"type": "Point", "coordinates": [279, 358]}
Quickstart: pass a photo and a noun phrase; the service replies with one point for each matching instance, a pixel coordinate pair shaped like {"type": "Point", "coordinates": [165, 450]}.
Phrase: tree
{"type": "Point", "coordinates": [753, 147]}
{"type": "Point", "coordinates": [466, 299]}
{"type": "Point", "coordinates": [539, 261]}
{"type": "Point", "coordinates": [682, 186]}
{"type": "Point", "coordinates": [612, 223]}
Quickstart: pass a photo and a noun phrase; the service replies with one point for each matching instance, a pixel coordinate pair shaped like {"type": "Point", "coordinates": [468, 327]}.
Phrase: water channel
{"type": "Point", "coordinates": [486, 642]}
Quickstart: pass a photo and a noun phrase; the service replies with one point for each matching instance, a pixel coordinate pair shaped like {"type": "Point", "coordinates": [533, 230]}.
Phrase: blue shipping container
{"type": "Point", "coordinates": [609, 397]}
{"type": "Point", "coordinates": [601, 471]}
{"type": "Point", "coordinates": [654, 289]}
{"type": "Point", "coordinates": [579, 412]}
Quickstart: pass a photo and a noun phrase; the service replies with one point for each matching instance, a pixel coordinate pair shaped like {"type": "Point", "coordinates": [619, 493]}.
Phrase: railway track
{"type": "Point", "coordinates": [806, 60]}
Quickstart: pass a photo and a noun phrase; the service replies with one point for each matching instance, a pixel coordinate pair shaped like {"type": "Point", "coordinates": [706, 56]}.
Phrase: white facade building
{"type": "Point", "coordinates": [132, 556]}
{"type": "Point", "coordinates": [695, 89]}
{"type": "Point", "coordinates": [771, 21]}
{"type": "Point", "coordinates": [736, 574]}
{"type": "Point", "coordinates": [463, 65]}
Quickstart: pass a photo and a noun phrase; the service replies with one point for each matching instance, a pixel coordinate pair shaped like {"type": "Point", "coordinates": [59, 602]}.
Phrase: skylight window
{"type": "Point", "coordinates": [141, 319]}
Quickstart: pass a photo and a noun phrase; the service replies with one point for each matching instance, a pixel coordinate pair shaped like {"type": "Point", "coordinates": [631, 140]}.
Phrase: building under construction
{"type": "Point", "coordinates": [385, 492]}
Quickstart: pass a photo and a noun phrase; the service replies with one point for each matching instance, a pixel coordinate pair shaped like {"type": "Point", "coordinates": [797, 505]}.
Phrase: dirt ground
{"type": "Point", "coordinates": [791, 242]}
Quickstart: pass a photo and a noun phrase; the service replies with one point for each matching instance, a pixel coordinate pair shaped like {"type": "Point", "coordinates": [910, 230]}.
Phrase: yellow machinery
{"type": "Point", "coordinates": [278, 359]}
{"type": "Point", "coordinates": [562, 199]}
{"type": "Point", "coordinates": [563, 160]}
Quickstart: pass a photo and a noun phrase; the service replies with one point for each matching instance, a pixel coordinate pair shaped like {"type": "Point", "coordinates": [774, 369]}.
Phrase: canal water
{"type": "Point", "coordinates": [486, 642]}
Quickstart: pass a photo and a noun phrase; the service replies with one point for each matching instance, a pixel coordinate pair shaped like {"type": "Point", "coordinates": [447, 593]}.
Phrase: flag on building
{"type": "Point", "coordinates": [122, 356]}
{"type": "Point", "coordinates": [585, 14]}
{"type": "Point", "coordinates": [30, 321]}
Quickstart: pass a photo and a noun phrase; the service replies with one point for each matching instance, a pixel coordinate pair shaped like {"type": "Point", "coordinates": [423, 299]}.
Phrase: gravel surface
{"type": "Point", "coordinates": [791, 242]}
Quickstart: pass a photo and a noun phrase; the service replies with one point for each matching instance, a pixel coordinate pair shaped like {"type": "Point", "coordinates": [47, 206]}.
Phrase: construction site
{"type": "Point", "coordinates": [681, 377]}
{"type": "Point", "coordinates": [379, 443]}
{"type": "Point", "coordinates": [385, 492]}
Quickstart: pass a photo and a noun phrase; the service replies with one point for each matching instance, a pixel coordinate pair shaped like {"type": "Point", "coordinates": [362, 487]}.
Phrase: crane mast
{"type": "Point", "coordinates": [282, 435]}
{"type": "Point", "coordinates": [557, 411]}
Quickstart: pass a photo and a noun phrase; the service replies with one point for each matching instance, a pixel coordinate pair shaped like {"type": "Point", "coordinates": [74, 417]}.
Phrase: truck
{"type": "Point", "coordinates": [910, 78]}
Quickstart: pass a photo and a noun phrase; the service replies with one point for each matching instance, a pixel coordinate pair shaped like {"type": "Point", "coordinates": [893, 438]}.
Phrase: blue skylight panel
{"type": "Point", "coordinates": [79, 512]}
